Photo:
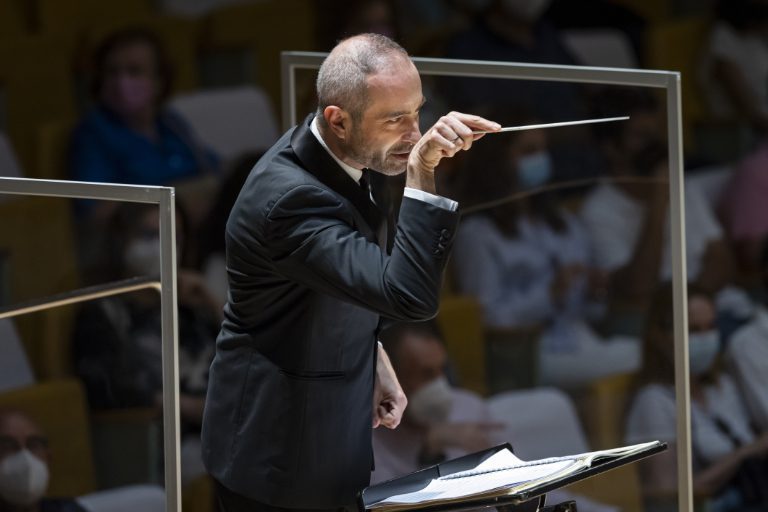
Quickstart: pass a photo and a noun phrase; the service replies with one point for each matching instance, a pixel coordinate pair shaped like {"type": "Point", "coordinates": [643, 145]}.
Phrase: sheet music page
{"type": "Point", "coordinates": [503, 470]}
{"type": "Point", "coordinates": [440, 489]}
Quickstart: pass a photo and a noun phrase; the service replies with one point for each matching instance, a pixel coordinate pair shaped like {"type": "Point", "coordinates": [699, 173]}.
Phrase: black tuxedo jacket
{"type": "Point", "coordinates": [288, 414]}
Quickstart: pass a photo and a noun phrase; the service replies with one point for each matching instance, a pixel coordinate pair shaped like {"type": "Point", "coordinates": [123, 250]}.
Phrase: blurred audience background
{"type": "Point", "coordinates": [554, 332]}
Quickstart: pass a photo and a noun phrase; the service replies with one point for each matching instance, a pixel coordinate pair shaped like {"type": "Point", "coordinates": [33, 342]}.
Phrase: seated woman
{"type": "Point", "coordinates": [722, 439]}
{"type": "Point", "coordinates": [128, 136]}
{"type": "Point", "coordinates": [529, 262]}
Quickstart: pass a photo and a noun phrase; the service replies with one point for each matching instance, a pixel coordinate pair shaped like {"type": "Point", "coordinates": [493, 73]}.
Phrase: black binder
{"type": "Point", "coordinates": [419, 479]}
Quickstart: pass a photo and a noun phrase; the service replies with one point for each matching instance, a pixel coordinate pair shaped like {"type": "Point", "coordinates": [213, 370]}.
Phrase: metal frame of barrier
{"type": "Point", "coordinates": [667, 80]}
{"type": "Point", "coordinates": [164, 197]}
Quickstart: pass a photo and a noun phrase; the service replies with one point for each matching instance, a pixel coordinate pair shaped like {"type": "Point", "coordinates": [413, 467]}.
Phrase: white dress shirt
{"type": "Point", "coordinates": [653, 416]}
{"type": "Point", "coordinates": [614, 221]}
{"type": "Point", "coordinates": [356, 174]}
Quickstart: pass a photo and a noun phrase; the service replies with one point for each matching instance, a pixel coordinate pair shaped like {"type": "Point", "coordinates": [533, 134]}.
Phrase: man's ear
{"type": "Point", "coordinates": [338, 121]}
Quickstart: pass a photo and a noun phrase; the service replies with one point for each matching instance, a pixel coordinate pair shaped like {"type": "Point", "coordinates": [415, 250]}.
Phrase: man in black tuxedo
{"type": "Point", "coordinates": [298, 379]}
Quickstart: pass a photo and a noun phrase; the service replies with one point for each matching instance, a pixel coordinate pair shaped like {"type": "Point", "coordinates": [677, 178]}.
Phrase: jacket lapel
{"type": "Point", "coordinates": [320, 164]}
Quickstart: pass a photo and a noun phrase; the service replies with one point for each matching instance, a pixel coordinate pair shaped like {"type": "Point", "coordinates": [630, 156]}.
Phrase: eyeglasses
{"type": "Point", "coordinates": [35, 444]}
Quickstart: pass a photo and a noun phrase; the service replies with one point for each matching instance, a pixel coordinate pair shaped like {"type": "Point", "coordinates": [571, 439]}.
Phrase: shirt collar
{"type": "Point", "coordinates": [355, 174]}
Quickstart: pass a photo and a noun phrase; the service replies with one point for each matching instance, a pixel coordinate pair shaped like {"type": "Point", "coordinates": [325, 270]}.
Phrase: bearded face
{"type": "Point", "coordinates": [387, 158]}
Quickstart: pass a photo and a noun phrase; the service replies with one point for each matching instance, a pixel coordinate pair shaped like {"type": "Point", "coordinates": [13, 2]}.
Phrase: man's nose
{"type": "Point", "coordinates": [414, 133]}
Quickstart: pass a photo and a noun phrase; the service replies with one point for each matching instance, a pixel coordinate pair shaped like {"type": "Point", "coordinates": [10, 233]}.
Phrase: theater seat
{"type": "Point", "coordinates": [131, 498]}
{"type": "Point", "coordinates": [231, 120]}
{"type": "Point", "coordinates": [461, 323]}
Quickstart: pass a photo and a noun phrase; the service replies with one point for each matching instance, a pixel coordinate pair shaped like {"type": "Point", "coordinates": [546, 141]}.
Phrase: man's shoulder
{"type": "Point", "coordinates": [279, 186]}
{"type": "Point", "coordinates": [277, 173]}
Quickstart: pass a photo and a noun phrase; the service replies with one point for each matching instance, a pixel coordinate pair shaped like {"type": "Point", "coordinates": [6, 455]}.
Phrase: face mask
{"type": "Point", "coordinates": [23, 478]}
{"type": "Point", "coordinates": [526, 10]}
{"type": "Point", "coordinates": [702, 350]}
{"type": "Point", "coordinates": [534, 170]}
{"type": "Point", "coordinates": [142, 257]}
{"type": "Point", "coordinates": [127, 95]}
{"type": "Point", "coordinates": [431, 403]}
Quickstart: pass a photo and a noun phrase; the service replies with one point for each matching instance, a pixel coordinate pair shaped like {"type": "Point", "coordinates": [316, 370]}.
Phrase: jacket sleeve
{"type": "Point", "coordinates": [310, 239]}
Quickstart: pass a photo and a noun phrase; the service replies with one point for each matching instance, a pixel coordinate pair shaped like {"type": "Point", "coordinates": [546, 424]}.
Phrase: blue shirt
{"type": "Point", "coordinates": [104, 149]}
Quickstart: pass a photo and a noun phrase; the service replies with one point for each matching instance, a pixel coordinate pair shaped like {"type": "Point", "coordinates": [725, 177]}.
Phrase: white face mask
{"type": "Point", "coordinates": [534, 170]}
{"type": "Point", "coordinates": [702, 350]}
{"type": "Point", "coordinates": [527, 10]}
{"type": "Point", "coordinates": [431, 403]}
{"type": "Point", "coordinates": [23, 478]}
{"type": "Point", "coordinates": [142, 257]}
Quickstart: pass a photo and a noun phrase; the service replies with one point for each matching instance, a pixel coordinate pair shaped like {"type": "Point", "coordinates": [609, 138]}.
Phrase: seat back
{"type": "Point", "coordinates": [603, 406]}
{"type": "Point", "coordinates": [601, 47]}
{"type": "Point", "coordinates": [541, 422]}
{"type": "Point", "coordinates": [544, 422]}
{"type": "Point", "coordinates": [130, 498]}
{"type": "Point", "coordinates": [231, 121]}
{"type": "Point", "coordinates": [460, 320]}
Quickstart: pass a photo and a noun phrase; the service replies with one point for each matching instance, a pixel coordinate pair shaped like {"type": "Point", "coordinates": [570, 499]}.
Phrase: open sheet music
{"type": "Point", "coordinates": [501, 474]}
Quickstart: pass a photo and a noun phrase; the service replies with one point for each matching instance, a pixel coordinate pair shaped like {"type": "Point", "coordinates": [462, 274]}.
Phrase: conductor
{"type": "Point", "coordinates": [314, 270]}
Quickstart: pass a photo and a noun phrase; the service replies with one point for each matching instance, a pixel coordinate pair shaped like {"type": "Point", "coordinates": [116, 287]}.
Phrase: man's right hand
{"type": "Point", "coordinates": [451, 134]}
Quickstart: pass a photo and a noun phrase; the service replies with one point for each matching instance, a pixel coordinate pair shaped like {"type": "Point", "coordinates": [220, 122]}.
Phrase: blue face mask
{"type": "Point", "coordinates": [702, 350]}
{"type": "Point", "coordinates": [534, 170]}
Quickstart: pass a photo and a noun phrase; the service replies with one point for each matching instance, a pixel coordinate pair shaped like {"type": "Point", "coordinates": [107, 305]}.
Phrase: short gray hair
{"type": "Point", "coordinates": [342, 79]}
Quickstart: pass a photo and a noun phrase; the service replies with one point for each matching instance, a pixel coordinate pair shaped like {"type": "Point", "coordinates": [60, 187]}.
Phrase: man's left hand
{"type": "Point", "coordinates": [389, 401]}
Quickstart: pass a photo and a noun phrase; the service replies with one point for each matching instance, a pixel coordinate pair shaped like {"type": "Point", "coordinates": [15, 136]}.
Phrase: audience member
{"type": "Point", "coordinates": [24, 457]}
{"type": "Point", "coordinates": [117, 340]}
{"type": "Point", "coordinates": [722, 438]}
{"type": "Point", "coordinates": [735, 63]}
{"type": "Point", "coordinates": [529, 262]}
{"type": "Point", "coordinates": [746, 357]}
{"type": "Point", "coordinates": [128, 136]}
{"type": "Point", "coordinates": [443, 421]}
{"type": "Point", "coordinates": [628, 221]}
{"type": "Point", "coordinates": [745, 213]}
